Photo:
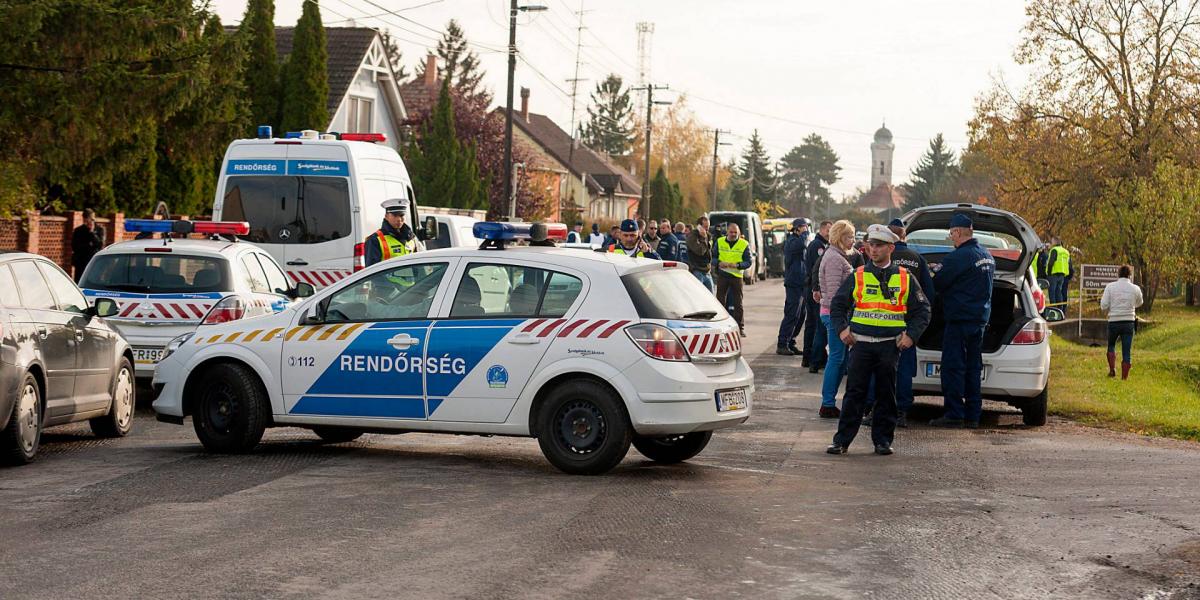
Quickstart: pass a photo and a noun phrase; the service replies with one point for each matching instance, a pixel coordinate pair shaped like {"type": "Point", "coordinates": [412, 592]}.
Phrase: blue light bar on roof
{"type": "Point", "coordinates": [492, 230]}
{"type": "Point", "coordinates": [292, 135]}
{"type": "Point", "coordinates": [158, 226]}
{"type": "Point", "coordinates": [264, 132]}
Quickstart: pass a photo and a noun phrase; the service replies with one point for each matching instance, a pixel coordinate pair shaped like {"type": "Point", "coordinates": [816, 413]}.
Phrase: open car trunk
{"type": "Point", "coordinates": [1008, 317]}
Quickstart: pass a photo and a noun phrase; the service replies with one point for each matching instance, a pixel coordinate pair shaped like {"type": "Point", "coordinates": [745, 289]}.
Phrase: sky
{"type": "Point", "coordinates": [786, 68]}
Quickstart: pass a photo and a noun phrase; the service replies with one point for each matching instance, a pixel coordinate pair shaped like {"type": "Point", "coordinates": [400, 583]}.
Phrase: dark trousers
{"type": "Point", "coordinates": [1121, 330]}
{"type": "Point", "coordinates": [867, 360]}
{"type": "Point", "coordinates": [904, 377]}
{"type": "Point", "coordinates": [962, 370]}
{"type": "Point", "coordinates": [793, 315]}
{"type": "Point", "coordinates": [1058, 289]}
{"type": "Point", "coordinates": [729, 294]}
{"type": "Point", "coordinates": [814, 332]}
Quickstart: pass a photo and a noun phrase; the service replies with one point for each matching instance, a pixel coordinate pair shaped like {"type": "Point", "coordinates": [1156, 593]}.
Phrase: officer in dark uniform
{"type": "Point", "coordinates": [394, 238]}
{"type": "Point", "coordinates": [879, 312]}
{"type": "Point", "coordinates": [794, 278]}
{"type": "Point", "coordinates": [916, 264]}
{"type": "Point", "coordinates": [630, 243]}
{"type": "Point", "coordinates": [964, 284]}
{"type": "Point", "coordinates": [815, 355]}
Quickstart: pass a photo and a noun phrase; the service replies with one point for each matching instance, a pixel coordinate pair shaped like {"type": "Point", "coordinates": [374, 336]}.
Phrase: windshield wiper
{"type": "Point", "coordinates": [701, 314]}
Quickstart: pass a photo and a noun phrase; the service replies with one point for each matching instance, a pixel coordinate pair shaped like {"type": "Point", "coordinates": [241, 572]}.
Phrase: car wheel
{"type": "Point", "coordinates": [672, 448]}
{"type": "Point", "coordinates": [119, 420]}
{"type": "Point", "coordinates": [231, 411]}
{"type": "Point", "coordinates": [337, 435]}
{"type": "Point", "coordinates": [583, 428]}
{"type": "Point", "coordinates": [20, 439]}
{"type": "Point", "coordinates": [1033, 412]}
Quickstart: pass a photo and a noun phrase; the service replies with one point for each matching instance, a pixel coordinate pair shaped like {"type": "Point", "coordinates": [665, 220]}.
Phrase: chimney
{"type": "Point", "coordinates": [525, 104]}
{"type": "Point", "coordinates": [431, 71]}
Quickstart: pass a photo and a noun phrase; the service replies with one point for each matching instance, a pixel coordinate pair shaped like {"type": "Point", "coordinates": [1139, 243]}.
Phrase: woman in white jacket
{"type": "Point", "coordinates": [1120, 300]}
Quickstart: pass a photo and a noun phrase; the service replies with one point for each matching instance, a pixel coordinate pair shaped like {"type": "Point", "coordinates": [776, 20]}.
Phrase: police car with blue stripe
{"type": "Point", "coordinates": [587, 352]}
{"type": "Point", "coordinates": [166, 287]}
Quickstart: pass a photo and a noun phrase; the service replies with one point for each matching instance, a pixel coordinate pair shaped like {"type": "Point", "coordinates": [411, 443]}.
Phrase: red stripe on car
{"type": "Point", "coordinates": [551, 327]}
{"type": "Point", "coordinates": [572, 327]}
{"type": "Point", "coordinates": [533, 325]}
{"type": "Point", "coordinates": [593, 327]}
{"type": "Point", "coordinates": [613, 329]}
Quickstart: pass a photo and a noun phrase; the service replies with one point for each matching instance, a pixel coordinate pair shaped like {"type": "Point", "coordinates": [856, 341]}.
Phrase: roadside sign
{"type": "Point", "coordinates": [1093, 278]}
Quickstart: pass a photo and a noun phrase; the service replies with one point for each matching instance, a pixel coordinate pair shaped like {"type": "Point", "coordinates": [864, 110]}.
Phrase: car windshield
{"type": "Point", "coordinates": [156, 274]}
{"type": "Point", "coordinates": [290, 209]}
{"type": "Point", "coordinates": [671, 294]}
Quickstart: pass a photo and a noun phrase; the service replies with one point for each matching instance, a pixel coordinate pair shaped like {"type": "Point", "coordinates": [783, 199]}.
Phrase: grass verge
{"type": "Point", "coordinates": [1162, 395]}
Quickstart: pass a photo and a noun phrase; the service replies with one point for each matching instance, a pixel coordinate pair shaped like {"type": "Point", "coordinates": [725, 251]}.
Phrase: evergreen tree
{"type": "Point", "coordinates": [609, 127]}
{"type": "Point", "coordinates": [755, 178]}
{"type": "Point", "coordinates": [445, 172]}
{"type": "Point", "coordinates": [391, 46]}
{"type": "Point", "coordinates": [458, 64]}
{"type": "Point", "coordinates": [305, 76]}
{"type": "Point", "coordinates": [805, 174]}
{"type": "Point", "coordinates": [933, 175]}
{"type": "Point", "coordinates": [262, 66]}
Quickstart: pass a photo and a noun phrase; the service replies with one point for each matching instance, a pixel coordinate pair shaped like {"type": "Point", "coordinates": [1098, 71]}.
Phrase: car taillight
{"type": "Point", "coordinates": [1039, 299]}
{"type": "Point", "coordinates": [657, 342]}
{"type": "Point", "coordinates": [359, 261]}
{"type": "Point", "coordinates": [230, 308]}
{"type": "Point", "coordinates": [1034, 332]}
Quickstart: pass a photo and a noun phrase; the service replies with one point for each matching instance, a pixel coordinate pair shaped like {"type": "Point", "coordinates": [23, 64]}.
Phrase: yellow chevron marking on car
{"type": "Point", "coordinates": [330, 331]}
{"type": "Point", "coordinates": [311, 332]}
{"type": "Point", "coordinates": [233, 336]}
{"type": "Point", "coordinates": [250, 336]}
{"type": "Point", "coordinates": [349, 330]}
{"type": "Point", "coordinates": [270, 335]}
{"type": "Point", "coordinates": [213, 338]}
{"type": "Point", "coordinates": [292, 333]}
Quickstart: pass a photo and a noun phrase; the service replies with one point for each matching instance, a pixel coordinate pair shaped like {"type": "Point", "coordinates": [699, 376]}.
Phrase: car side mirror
{"type": "Point", "coordinates": [104, 307]}
{"type": "Point", "coordinates": [1054, 315]}
{"type": "Point", "coordinates": [302, 290]}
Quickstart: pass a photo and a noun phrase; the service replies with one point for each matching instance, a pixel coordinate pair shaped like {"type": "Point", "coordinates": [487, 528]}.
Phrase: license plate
{"type": "Point", "coordinates": [148, 356]}
{"type": "Point", "coordinates": [933, 370]}
{"type": "Point", "coordinates": [728, 400]}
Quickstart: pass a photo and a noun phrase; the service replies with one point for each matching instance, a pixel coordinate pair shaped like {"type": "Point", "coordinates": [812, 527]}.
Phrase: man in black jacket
{"type": "Point", "coordinates": [917, 265]}
{"type": "Point", "coordinates": [795, 279]}
{"type": "Point", "coordinates": [86, 241]}
{"type": "Point", "coordinates": [879, 312]}
{"type": "Point", "coordinates": [814, 331]}
{"type": "Point", "coordinates": [699, 252]}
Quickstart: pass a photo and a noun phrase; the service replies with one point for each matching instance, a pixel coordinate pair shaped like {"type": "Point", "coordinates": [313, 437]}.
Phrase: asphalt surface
{"type": "Point", "coordinates": [1006, 511]}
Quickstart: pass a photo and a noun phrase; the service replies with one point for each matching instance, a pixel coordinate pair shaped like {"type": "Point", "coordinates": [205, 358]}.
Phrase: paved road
{"type": "Point", "coordinates": [1002, 512]}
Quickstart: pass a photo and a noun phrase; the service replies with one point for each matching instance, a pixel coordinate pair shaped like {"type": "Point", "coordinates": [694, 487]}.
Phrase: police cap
{"type": "Point", "coordinates": [629, 226]}
{"type": "Point", "coordinates": [880, 233]}
{"type": "Point", "coordinates": [961, 220]}
{"type": "Point", "coordinates": [396, 206]}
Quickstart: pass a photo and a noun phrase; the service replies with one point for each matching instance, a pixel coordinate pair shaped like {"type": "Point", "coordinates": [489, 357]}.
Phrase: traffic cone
{"type": "Point", "coordinates": [1112, 364]}
{"type": "Point", "coordinates": [1125, 370]}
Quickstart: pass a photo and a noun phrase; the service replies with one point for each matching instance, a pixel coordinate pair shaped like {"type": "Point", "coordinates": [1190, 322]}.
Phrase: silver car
{"type": "Point", "coordinates": [59, 361]}
{"type": "Point", "coordinates": [1016, 341]}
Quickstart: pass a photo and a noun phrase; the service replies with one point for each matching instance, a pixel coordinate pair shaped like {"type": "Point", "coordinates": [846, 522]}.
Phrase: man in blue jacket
{"type": "Point", "coordinates": [668, 244]}
{"type": "Point", "coordinates": [964, 283]}
{"type": "Point", "coordinates": [794, 279]}
{"type": "Point", "coordinates": [815, 337]}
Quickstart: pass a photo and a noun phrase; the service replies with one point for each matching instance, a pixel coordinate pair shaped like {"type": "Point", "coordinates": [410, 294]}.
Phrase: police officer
{"type": "Point", "coordinates": [795, 277]}
{"type": "Point", "coordinates": [879, 311]}
{"type": "Point", "coordinates": [668, 244]}
{"type": "Point", "coordinates": [731, 257]}
{"type": "Point", "coordinates": [915, 263]}
{"type": "Point", "coordinates": [964, 283]}
{"type": "Point", "coordinates": [815, 355]}
{"type": "Point", "coordinates": [394, 238]}
{"type": "Point", "coordinates": [630, 243]}
{"type": "Point", "coordinates": [1059, 264]}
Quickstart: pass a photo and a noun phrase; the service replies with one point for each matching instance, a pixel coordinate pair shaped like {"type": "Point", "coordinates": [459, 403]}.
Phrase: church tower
{"type": "Point", "coordinates": [881, 157]}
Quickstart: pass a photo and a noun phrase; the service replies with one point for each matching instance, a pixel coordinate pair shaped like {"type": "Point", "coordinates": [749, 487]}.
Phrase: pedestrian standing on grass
{"type": "Point", "coordinates": [879, 311]}
{"type": "Point", "coordinates": [1120, 300]}
{"type": "Point", "coordinates": [835, 267]}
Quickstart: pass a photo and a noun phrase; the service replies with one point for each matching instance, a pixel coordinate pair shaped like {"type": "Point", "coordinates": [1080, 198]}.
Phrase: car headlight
{"type": "Point", "coordinates": [174, 344]}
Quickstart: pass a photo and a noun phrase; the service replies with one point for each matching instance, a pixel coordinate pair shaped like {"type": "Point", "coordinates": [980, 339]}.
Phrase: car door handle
{"type": "Point", "coordinates": [299, 262]}
{"type": "Point", "coordinates": [42, 333]}
{"type": "Point", "coordinates": [525, 340]}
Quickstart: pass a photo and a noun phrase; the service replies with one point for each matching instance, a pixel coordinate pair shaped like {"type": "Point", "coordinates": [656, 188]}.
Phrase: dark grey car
{"type": "Point", "coordinates": [59, 361]}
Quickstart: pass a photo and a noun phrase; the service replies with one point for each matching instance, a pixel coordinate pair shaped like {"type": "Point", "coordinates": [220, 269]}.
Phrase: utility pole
{"type": "Point", "coordinates": [644, 204]}
{"type": "Point", "coordinates": [574, 81]}
{"type": "Point", "coordinates": [509, 192]}
{"type": "Point", "coordinates": [717, 143]}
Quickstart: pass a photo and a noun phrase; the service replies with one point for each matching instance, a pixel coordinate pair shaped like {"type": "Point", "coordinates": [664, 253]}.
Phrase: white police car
{"type": "Point", "coordinates": [586, 351]}
{"type": "Point", "coordinates": [166, 287]}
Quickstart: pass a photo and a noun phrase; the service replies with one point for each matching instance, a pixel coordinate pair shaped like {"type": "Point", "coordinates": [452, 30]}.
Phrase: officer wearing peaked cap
{"type": "Point", "coordinates": [630, 243]}
{"type": "Point", "coordinates": [394, 238]}
{"type": "Point", "coordinates": [879, 311]}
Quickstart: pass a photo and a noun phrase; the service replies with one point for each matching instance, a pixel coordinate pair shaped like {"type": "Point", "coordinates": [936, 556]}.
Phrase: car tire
{"type": "Point", "coordinates": [231, 410]}
{"type": "Point", "coordinates": [1033, 412]}
{"type": "Point", "coordinates": [337, 435]}
{"type": "Point", "coordinates": [119, 420]}
{"type": "Point", "coordinates": [584, 429]}
{"type": "Point", "coordinates": [20, 440]}
{"type": "Point", "coordinates": [672, 448]}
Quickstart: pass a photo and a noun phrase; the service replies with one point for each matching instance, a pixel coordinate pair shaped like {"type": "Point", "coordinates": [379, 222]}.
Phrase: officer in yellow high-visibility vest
{"type": "Point", "coordinates": [730, 258]}
{"type": "Point", "coordinates": [630, 243]}
{"type": "Point", "coordinates": [1059, 264]}
{"type": "Point", "coordinates": [394, 238]}
{"type": "Point", "coordinates": [879, 311]}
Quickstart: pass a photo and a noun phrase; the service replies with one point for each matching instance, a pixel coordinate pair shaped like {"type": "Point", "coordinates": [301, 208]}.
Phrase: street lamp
{"type": "Point", "coordinates": [509, 192]}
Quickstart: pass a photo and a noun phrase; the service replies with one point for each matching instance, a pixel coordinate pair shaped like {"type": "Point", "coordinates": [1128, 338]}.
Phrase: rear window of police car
{"type": "Point", "coordinates": [671, 294]}
{"type": "Point", "coordinates": [157, 274]}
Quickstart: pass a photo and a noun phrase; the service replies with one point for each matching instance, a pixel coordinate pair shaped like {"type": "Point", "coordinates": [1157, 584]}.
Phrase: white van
{"type": "Point", "coordinates": [310, 201]}
{"type": "Point", "coordinates": [752, 230]}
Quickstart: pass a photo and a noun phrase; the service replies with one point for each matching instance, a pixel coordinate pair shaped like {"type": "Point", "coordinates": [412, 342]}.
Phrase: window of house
{"type": "Point", "coordinates": [360, 117]}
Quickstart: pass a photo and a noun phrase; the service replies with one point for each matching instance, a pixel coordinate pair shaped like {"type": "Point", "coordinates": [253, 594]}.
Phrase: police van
{"type": "Point", "coordinates": [166, 287]}
{"type": "Point", "coordinates": [588, 352]}
{"type": "Point", "coordinates": [312, 198]}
